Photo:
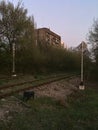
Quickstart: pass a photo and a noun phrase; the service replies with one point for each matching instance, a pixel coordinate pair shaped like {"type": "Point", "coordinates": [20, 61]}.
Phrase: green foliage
{"type": "Point", "coordinates": [15, 27]}
{"type": "Point", "coordinates": [59, 59]}
{"type": "Point", "coordinates": [93, 41]}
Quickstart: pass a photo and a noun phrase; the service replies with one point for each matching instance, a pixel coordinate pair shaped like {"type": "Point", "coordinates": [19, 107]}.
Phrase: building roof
{"type": "Point", "coordinates": [49, 31]}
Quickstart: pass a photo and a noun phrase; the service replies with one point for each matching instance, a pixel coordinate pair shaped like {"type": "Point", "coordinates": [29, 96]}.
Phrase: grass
{"type": "Point", "coordinates": [45, 113]}
{"type": "Point", "coordinates": [83, 110]}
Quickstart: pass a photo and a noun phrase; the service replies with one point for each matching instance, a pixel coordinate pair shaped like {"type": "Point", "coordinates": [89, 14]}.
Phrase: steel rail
{"type": "Point", "coordinates": [30, 81]}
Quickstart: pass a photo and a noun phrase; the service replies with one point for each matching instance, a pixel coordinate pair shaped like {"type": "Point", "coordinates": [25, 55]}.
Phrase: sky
{"type": "Point", "coordinates": [71, 19]}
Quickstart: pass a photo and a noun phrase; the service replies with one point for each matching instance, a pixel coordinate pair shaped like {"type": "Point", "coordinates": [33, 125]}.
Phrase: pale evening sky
{"type": "Point", "coordinates": [71, 19]}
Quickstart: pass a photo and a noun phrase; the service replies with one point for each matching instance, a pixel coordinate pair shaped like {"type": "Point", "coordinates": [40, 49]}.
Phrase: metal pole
{"type": "Point", "coordinates": [81, 86]}
{"type": "Point", "coordinates": [82, 62]}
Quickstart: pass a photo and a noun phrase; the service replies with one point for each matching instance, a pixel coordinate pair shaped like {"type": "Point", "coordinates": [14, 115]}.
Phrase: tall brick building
{"type": "Point", "coordinates": [47, 36]}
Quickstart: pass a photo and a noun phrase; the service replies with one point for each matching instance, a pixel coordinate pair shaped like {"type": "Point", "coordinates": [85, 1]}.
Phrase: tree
{"type": "Point", "coordinates": [19, 28]}
{"type": "Point", "coordinates": [15, 25]}
{"type": "Point", "coordinates": [93, 40]}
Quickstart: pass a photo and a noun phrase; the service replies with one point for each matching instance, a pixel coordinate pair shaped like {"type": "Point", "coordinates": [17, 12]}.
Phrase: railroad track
{"type": "Point", "coordinates": [9, 90]}
{"type": "Point", "coordinates": [30, 81]}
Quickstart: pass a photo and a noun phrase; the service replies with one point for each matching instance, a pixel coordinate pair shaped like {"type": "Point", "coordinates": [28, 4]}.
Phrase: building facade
{"type": "Point", "coordinates": [47, 36]}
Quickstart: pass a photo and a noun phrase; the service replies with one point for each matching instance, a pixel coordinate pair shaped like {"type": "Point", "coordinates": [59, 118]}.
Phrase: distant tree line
{"type": "Point", "coordinates": [16, 27]}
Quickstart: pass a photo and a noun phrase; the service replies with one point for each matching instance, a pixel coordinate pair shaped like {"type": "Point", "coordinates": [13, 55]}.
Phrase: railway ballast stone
{"type": "Point", "coordinates": [58, 90]}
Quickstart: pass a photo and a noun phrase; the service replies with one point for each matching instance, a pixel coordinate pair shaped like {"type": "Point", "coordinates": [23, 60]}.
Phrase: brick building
{"type": "Point", "coordinates": [47, 36]}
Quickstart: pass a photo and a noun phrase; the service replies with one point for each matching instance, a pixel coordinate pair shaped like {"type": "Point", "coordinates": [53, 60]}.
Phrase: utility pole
{"type": "Point", "coordinates": [81, 86]}
{"type": "Point", "coordinates": [13, 58]}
